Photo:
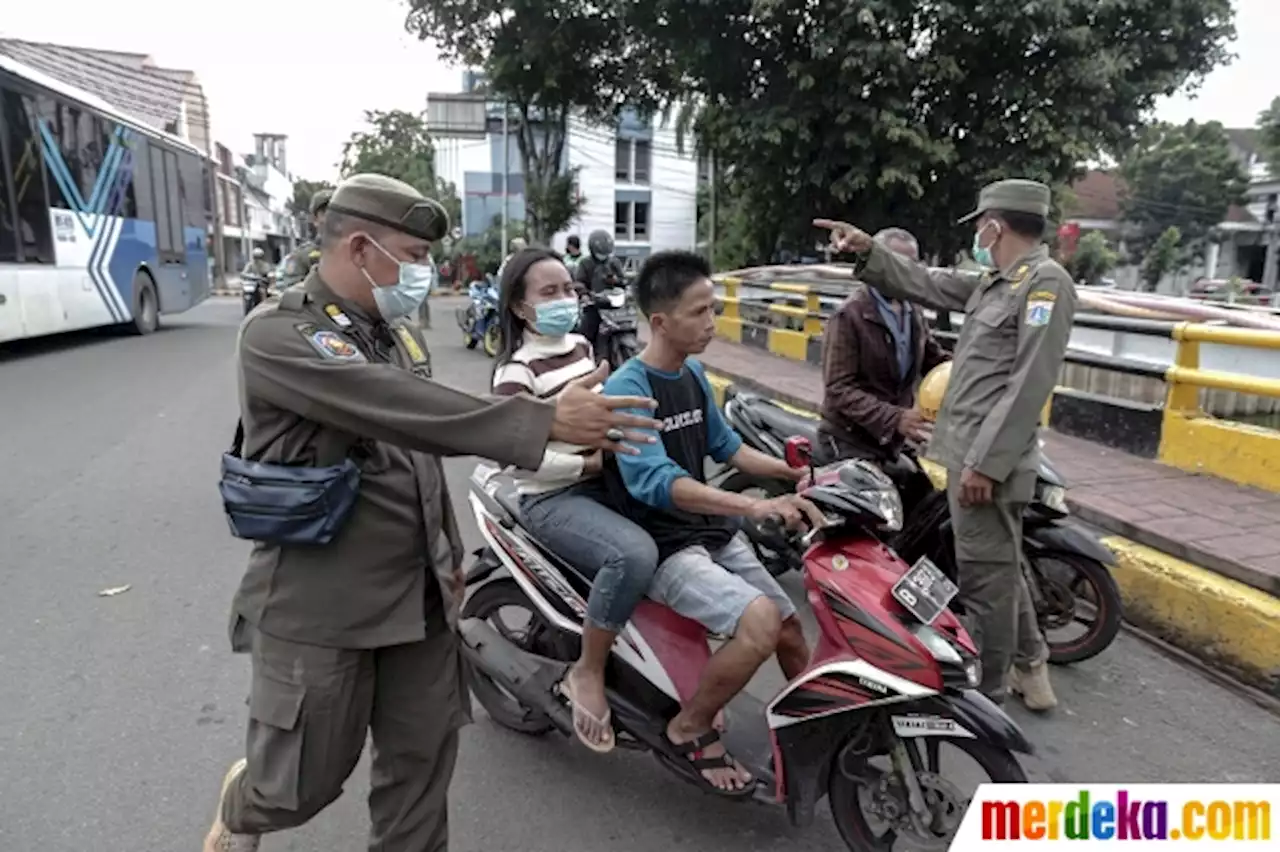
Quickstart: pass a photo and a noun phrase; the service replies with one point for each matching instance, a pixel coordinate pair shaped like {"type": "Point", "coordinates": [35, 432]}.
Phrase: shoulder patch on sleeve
{"type": "Point", "coordinates": [1043, 296]}
{"type": "Point", "coordinates": [330, 344]}
{"type": "Point", "coordinates": [1039, 311]}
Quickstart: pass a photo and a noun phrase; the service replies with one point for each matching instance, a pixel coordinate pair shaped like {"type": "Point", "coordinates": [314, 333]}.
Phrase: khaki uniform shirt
{"type": "Point", "coordinates": [299, 263]}
{"type": "Point", "coordinates": [1016, 329]}
{"type": "Point", "coordinates": [324, 381]}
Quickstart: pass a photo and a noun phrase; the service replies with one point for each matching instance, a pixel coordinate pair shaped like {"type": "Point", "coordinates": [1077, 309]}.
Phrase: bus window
{"type": "Point", "coordinates": [8, 216]}
{"type": "Point", "coordinates": [49, 117]}
{"type": "Point", "coordinates": [159, 191]}
{"type": "Point", "coordinates": [25, 174]}
{"type": "Point", "coordinates": [127, 206]}
{"type": "Point", "coordinates": [140, 157]}
{"type": "Point", "coordinates": [93, 150]}
{"type": "Point", "coordinates": [173, 187]}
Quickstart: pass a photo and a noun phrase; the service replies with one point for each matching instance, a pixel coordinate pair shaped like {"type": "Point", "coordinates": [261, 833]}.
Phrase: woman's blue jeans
{"type": "Point", "coordinates": [618, 556]}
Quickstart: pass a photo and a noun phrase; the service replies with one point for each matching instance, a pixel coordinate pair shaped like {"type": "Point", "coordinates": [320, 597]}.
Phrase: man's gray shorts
{"type": "Point", "coordinates": [715, 589]}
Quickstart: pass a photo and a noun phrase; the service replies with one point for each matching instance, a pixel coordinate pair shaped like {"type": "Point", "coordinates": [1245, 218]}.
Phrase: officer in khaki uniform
{"type": "Point", "coordinates": [358, 634]}
{"type": "Point", "coordinates": [301, 259]}
{"type": "Point", "coordinates": [1007, 361]}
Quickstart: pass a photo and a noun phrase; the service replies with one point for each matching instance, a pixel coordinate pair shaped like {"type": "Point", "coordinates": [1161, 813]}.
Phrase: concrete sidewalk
{"type": "Point", "coordinates": [1199, 557]}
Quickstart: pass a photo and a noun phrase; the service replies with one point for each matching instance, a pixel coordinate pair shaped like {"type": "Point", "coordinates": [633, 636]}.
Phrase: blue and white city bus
{"type": "Point", "coordinates": [103, 220]}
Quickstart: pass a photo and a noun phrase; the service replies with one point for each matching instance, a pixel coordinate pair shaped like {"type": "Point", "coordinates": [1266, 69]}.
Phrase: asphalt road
{"type": "Point", "coordinates": [118, 715]}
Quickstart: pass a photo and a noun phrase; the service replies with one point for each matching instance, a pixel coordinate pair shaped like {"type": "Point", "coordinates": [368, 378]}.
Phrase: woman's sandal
{"type": "Point", "coordinates": [581, 716]}
{"type": "Point", "coordinates": [692, 751]}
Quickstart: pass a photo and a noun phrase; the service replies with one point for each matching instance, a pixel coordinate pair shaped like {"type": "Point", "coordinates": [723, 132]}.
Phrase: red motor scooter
{"type": "Point", "coordinates": [891, 678]}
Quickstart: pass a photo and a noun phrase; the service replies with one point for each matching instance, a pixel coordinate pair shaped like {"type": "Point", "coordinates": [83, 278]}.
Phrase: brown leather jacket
{"type": "Point", "coordinates": [864, 394]}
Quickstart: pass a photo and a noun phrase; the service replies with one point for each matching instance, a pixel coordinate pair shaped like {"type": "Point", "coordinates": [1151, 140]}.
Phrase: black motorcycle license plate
{"type": "Point", "coordinates": [924, 590]}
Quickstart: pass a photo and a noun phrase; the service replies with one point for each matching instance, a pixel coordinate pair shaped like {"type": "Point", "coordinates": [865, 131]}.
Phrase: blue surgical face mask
{"type": "Point", "coordinates": [407, 294]}
{"type": "Point", "coordinates": [982, 256]}
{"type": "Point", "coordinates": [556, 318]}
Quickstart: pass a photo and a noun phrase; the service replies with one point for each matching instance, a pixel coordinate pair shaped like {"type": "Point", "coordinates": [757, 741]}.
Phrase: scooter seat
{"type": "Point", "coordinates": [507, 495]}
{"type": "Point", "coordinates": [780, 421]}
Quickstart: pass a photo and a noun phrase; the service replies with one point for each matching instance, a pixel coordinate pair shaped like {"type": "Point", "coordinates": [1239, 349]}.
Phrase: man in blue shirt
{"type": "Point", "coordinates": [707, 571]}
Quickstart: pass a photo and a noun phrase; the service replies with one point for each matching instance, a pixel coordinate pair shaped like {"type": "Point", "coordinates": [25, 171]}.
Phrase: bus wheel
{"type": "Point", "coordinates": [146, 306]}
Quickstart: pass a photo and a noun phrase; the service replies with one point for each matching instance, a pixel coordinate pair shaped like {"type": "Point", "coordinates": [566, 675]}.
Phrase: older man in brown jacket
{"type": "Point", "coordinates": [875, 349]}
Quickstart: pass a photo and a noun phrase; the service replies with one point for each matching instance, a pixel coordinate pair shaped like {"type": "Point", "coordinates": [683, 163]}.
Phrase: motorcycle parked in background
{"type": "Point", "coordinates": [1067, 569]}
{"type": "Point", "coordinates": [479, 318]}
{"type": "Point", "coordinates": [890, 682]}
{"type": "Point", "coordinates": [616, 321]}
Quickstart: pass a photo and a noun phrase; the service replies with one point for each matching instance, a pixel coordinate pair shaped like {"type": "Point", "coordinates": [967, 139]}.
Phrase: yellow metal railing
{"type": "Point", "coordinates": [1185, 378]}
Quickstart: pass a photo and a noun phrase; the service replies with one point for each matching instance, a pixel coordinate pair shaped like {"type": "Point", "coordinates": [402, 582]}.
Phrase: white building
{"type": "Point", "coordinates": [633, 181]}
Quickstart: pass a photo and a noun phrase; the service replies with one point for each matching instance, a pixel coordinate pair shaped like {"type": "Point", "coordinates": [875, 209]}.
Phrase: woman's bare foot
{"type": "Point", "coordinates": [592, 720]}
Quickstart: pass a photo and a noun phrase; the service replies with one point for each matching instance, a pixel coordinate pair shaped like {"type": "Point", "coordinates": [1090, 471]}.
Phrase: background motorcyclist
{"type": "Point", "coordinates": [598, 271]}
{"type": "Point", "coordinates": [572, 253]}
{"type": "Point", "coordinates": [258, 266]}
{"type": "Point", "coordinates": [601, 269]}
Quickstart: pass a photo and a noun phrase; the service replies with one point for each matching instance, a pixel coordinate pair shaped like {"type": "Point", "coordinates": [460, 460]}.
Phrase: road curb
{"type": "Point", "coordinates": [1216, 619]}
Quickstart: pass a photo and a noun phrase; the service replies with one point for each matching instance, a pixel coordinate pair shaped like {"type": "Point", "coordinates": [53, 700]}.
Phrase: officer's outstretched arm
{"type": "Point", "coordinates": [1047, 310]}
{"type": "Point", "coordinates": [318, 374]}
{"type": "Point", "coordinates": [912, 281]}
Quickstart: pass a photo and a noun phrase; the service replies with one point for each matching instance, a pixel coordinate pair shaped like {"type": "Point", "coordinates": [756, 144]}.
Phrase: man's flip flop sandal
{"type": "Point", "coordinates": [692, 751]}
{"type": "Point", "coordinates": [580, 713]}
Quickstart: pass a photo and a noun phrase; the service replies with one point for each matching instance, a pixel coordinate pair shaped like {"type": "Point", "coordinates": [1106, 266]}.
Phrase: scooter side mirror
{"type": "Point", "coordinates": [798, 452]}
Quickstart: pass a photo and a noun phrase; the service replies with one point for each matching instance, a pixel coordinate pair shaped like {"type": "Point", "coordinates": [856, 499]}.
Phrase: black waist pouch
{"type": "Point", "coordinates": [285, 504]}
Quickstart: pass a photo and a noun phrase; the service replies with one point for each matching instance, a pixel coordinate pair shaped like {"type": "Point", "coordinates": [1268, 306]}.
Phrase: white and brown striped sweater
{"type": "Point", "coordinates": [541, 367]}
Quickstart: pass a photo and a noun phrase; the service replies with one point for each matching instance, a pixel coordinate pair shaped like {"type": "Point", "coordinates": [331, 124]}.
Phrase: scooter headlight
{"type": "Point", "coordinates": [942, 650]}
{"type": "Point", "coordinates": [1054, 497]}
{"type": "Point", "coordinates": [973, 673]}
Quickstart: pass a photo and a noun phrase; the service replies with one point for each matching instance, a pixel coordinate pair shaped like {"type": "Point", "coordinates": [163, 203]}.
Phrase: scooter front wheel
{"type": "Point", "coordinates": [879, 795]}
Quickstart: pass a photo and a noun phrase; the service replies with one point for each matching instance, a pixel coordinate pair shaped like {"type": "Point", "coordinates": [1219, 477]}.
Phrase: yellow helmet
{"type": "Point", "coordinates": [933, 388]}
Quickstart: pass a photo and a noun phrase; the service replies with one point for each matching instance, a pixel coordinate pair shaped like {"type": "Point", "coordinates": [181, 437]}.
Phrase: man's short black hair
{"type": "Point", "coordinates": [665, 276]}
{"type": "Point", "coordinates": [573, 242]}
{"type": "Point", "coordinates": [1027, 225]}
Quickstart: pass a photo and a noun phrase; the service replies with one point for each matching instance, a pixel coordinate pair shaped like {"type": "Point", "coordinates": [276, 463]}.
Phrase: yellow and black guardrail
{"type": "Point", "coordinates": [1176, 432]}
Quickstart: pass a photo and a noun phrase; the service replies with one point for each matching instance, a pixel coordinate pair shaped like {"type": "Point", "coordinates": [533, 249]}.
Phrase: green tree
{"type": "Point", "coordinates": [895, 112]}
{"type": "Point", "coordinates": [548, 59]}
{"type": "Point", "coordinates": [1183, 176]}
{"type": "Point", "coordinates": [397, 144]}
{"type": "Point", "coordinates": [1269, 135]}
{"type": "Point", "coordinates": [300, 203]}
{"type": "Point", "coordinates": [1093, 258]}
{"type": "Point", "coordinates": [1164, 256]}
{"type": "Point", "coordinates": [486, 247]}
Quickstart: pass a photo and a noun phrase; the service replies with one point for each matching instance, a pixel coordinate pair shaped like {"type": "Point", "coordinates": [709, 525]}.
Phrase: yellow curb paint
{"type": "Point", "coordinates": [1213, 617]}
{"type": "Point", "coordinates": [1238, 452]}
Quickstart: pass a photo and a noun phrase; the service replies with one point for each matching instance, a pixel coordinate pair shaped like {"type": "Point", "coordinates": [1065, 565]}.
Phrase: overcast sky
{"type": "Point", "coordinates": [310, 69]}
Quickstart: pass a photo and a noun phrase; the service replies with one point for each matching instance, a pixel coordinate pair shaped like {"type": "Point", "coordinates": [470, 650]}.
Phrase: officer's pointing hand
{"type": "Point", "coordinates": [845, 238]}
{"type": "Point", "coordinates": [590, 419]}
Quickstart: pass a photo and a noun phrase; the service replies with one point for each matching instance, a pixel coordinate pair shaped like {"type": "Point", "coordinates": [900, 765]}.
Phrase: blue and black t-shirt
{"type": "Point", "coordinates": [692, 430]}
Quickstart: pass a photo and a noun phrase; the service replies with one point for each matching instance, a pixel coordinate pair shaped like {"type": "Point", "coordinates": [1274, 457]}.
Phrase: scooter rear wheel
{"type": "Point", "coordinates": [485, 604]}
{"type": "Point", "coordinates": [1063, 603]}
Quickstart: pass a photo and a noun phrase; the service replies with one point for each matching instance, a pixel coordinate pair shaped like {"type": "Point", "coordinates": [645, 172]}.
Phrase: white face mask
{"type": "Point", "coordinates": [407, 294]}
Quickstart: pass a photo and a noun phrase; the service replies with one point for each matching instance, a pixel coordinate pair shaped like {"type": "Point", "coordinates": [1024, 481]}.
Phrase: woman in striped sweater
{"type": "Point", "coordinates": [564, 501]}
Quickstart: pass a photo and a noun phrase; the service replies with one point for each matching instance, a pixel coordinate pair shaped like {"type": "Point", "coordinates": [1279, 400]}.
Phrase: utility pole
{"type": "Point", "coordinates": [711, 238]}
{"type": "Point", "coordinates": [1271, 260]}
{"type": "Point", "coordinates": [506, 169]}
